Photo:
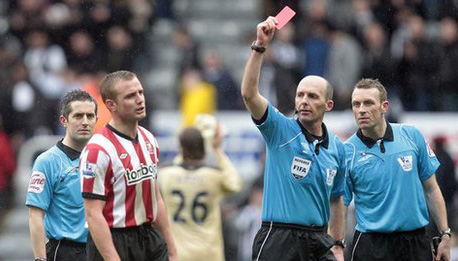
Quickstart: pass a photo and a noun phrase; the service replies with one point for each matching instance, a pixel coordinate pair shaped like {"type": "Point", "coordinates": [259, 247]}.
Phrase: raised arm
{"type": "Point", "coordinates": [254, 102]}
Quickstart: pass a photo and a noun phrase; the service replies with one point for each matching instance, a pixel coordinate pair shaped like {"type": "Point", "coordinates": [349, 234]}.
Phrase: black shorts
{"type": "Point", "coordinates": [141, 243]}
{"type": "Point", "coordinates": [65, 250]}
{"type": "Point", "coordinates": [409, 245]}
{"type": "Point", "coordinates": [280, 241]}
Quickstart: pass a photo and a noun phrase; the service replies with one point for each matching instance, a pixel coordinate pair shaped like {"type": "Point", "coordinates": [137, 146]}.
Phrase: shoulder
{"type": "Point", "coordinates": [50, 156]}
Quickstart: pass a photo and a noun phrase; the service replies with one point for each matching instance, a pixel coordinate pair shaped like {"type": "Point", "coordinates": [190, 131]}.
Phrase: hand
{"type": "Point", "coordinates": [443, 251]}
{"type": "Point", "coordinates": [338, 252]}
{"type": "Point", "coordinates": [265, 31]}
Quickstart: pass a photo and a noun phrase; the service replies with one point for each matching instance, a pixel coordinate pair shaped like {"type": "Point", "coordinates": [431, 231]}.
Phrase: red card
{"type": "Point", "coordinates": [284, 16]}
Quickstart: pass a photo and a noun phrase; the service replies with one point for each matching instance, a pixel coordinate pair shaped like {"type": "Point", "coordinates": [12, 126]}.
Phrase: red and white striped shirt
{"type": "Point", "coordinates": [122, 171]}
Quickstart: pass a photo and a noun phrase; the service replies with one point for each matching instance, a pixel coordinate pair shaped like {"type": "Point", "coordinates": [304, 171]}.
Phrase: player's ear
{"type": "Point", "coordinates": [110, 104]}
{"type": "Point", "coordinates": [63, 121]}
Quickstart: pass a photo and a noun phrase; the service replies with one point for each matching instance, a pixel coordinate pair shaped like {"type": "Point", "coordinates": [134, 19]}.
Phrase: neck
{"type": "Point", "coordinates": [127, 128]}
{"type": "Point", "coordinates": [193, 162]}
{"type": "Point", "coordinates": [314, 128]}
{"type": "Point", "coordinates": [376, 132]}
{"type": "Point", "coordinates": [78, 146]}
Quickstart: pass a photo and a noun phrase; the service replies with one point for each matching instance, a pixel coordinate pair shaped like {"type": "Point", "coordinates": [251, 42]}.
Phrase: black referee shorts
{"type": "Point", "coordinates": [407, 246]}
{"type": "Point", "coordinates": [65, 250]}
{"type": "Point", "coordinates": [280, 241]}
{"type": "Point", "coordinates": [140, 243]}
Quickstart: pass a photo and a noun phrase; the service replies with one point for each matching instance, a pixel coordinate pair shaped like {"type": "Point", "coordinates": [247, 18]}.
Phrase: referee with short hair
{"type": "Point", "coordinates": [391, 179]}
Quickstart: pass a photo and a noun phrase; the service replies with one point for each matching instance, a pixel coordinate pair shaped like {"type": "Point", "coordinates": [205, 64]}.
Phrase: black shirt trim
{"type": "Point", "coordinates": [122, 134]}
{"type": "Point", "coordinates": [310, 137]}
{"type": "Point", "coordinates": [263, 118]}
{"type": "Point", "coordinates": [371, 142]}
{"type": "Point", "coordinates": [71, 153]}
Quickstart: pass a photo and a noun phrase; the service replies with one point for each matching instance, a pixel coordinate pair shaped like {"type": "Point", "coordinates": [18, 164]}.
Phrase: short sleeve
{"type": "Point", "coordinates": [94, 166]}
{"type": "Point", "coordinates": [427, 160]}
{"type": "Point", "coordinates": [41, 183]}
{"type": "Point", "coordinates": [338, 188]}
{"type": "Point", "coordinates": [348, 184]}
{"type": "Point", "coordinates": [271, 127]}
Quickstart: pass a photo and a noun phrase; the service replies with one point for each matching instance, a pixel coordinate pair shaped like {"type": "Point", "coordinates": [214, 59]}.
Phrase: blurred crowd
{"type": "Point", "coordinates": [48, 47]}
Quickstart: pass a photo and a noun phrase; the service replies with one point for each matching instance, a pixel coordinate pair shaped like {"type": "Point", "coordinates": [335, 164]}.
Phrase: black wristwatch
{"type": "Point", "coordinates": [340, 243]}
{"type": "Point", "coordinates": [257, 48]}
{"type": "Point", "coordinates": [40, 259]}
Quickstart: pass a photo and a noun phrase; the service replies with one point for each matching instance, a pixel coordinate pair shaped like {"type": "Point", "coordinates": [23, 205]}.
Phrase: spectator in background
{"type": "Point", "coordinates": [46, 64]}
{"type": "Point", "coordinates": [227, 90]}
{"type": "Point", "coordinates": [197, 96]}
{"type": "Point", "coordinates": [83, 54]}
{"type": "Point", "coordinates": [287, 66]}
{"type": "Point", "coordinates": [316, 46]}
{"type": "Point", "coordinates": [446, 93]}
{"type": "Point", "coordinates": [120, 54]}
{"type": "Point", "coordinates": [187, 48]}
{"type": "Point", "coordinates": [7, 168]}
{"type": "Point", "coordinates": [418, 68]}
{"type": "Point", "coordinates": [344, 64]}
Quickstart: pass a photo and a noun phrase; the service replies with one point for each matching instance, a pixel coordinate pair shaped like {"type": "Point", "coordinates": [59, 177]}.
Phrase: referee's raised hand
{"type": "Point", "coordinates": [265, 31]}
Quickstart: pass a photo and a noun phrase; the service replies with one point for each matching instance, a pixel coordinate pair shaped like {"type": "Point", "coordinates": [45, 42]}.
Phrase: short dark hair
{"type": "Point", "coordinates": [192, 144]}
{"type": "Point", "coordinates": [368, 83]}
{"type": "Point", "coordinates": [75, 95]}
{"type": "Point", "coordinates": [110, 80]}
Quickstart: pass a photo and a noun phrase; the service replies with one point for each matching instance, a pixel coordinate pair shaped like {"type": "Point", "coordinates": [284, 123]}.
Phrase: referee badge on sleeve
{"type": "Point", "coordinates": [300, 167]}
{"type": "Point", "coordinates": [37, 182]}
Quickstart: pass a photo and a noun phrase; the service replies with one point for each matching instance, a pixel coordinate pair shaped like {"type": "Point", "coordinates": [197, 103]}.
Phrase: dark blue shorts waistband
{"type": "Point", "coordinates": [311, 228]}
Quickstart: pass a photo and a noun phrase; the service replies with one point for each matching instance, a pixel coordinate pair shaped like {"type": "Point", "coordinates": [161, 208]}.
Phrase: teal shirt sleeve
{"type": "Point", "coordinates": [270, 127]}
{"type": "Point", "coordinates": [427, 160]}
{"type": "Point", "coordinates": [348, 185]}
{"type": "Point", "coordinates": [338, 187]}
{"type": "Point", "coordinates": [41, 182]}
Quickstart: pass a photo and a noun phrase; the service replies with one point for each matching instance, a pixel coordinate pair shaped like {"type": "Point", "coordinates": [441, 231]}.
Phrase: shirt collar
{"type": "Point", "coordinates": [71, 153]}
{"type": "Point", "coordinates": [310, 138]}
{"type": "Point", "coordinates": [370, 142]}
{"type": "Point", "coordinates": [122, 134]}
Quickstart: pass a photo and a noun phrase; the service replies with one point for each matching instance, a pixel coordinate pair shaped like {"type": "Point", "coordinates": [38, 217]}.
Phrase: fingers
{"type": "Point", "coordinates": [268, 26]}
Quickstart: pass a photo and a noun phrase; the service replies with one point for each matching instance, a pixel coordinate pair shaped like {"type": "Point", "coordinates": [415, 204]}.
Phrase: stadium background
{"type": "Point", "coordinates": [185, 51]}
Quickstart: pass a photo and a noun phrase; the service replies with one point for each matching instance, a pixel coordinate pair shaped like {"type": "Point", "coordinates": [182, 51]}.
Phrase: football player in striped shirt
{"type": "Point", "coordinates": [193, 192]}
{"type": "Point", "coordinates": [124, 209]}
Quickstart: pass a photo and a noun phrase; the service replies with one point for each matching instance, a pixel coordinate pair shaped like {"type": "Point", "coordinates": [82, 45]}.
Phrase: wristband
{"type": "Point", "coordinates": [257, 49]}
{"type": "Point", "coordinates": [340, 243]}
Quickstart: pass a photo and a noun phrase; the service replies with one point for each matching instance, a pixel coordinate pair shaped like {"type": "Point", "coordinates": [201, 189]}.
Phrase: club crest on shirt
{"type": "Point", "coordinates": [150, 148]}
{"type": "Point", "coordinates": [330, 175]}
{"type": "Point", "coordinates": [300, 167]}
{"type": "Point", "coordinates": [406, 162]}
{"type": "Point", "coordinates": [37, 182]}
